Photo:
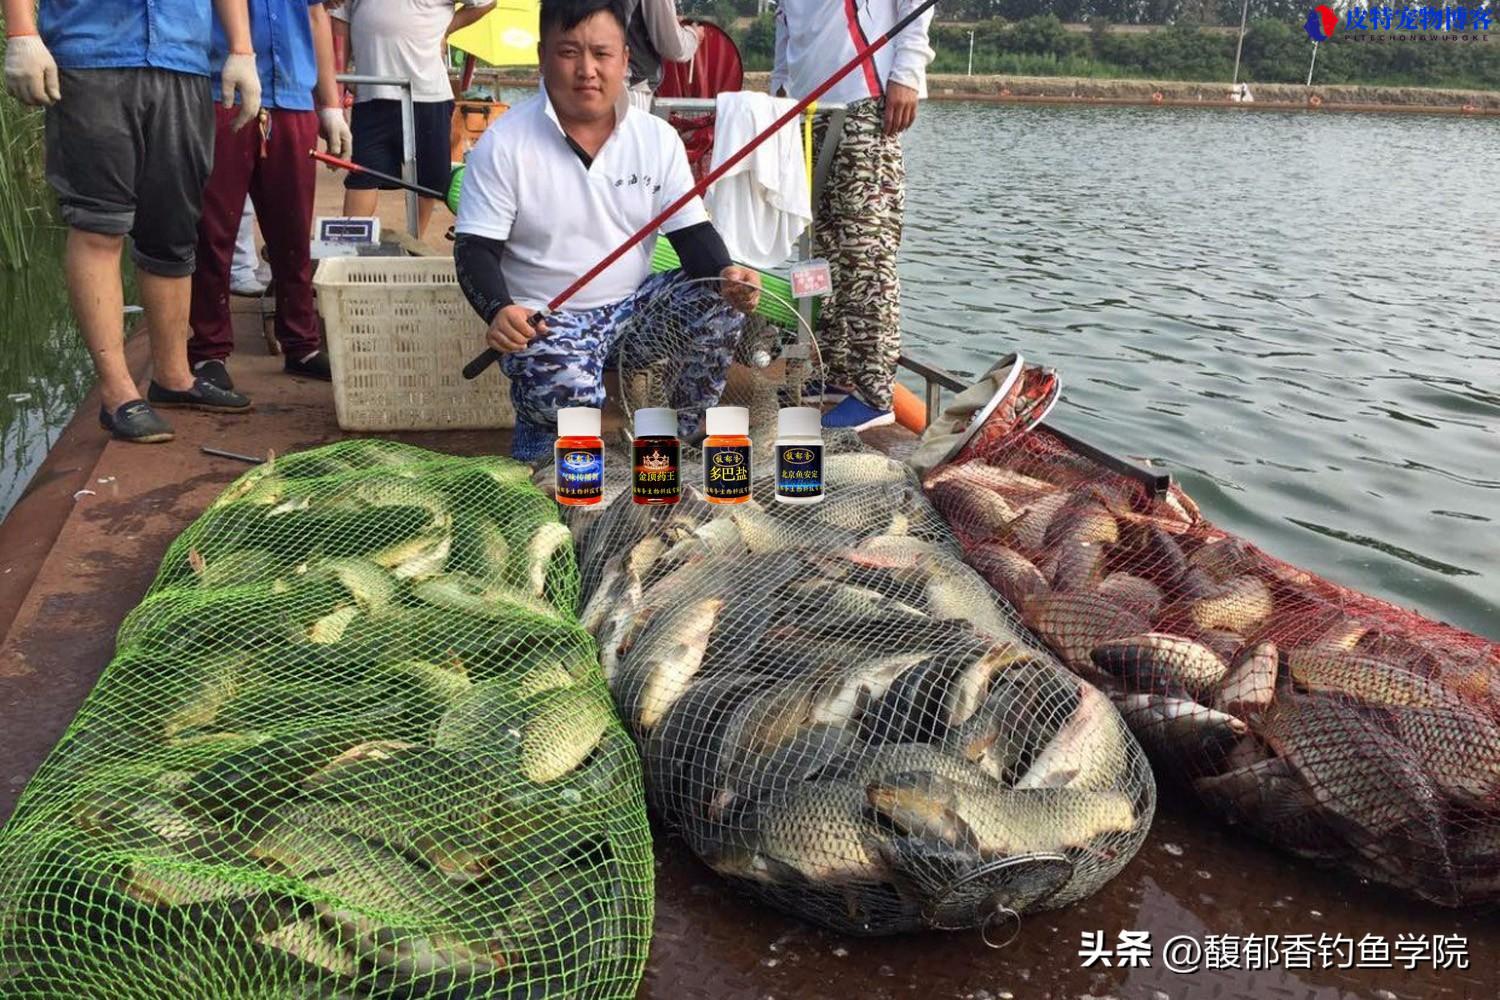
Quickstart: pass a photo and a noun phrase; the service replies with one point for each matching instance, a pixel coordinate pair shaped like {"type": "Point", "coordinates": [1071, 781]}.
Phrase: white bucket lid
{"type": "Point", "coordinates": [656, 421]}
{"type": "Point", "coordinates": [578, 421]}
{"type": "Point", "coordinates": [800, 421]}
{"type": "Point", "coordinates": [731, 421]}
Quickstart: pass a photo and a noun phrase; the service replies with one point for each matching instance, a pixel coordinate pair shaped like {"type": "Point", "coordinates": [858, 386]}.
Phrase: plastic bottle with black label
{"type": "Point", "coordinates": [579, 457]}
{"type": "Point", "coordinates": [799, 455]}
{"type": "Point", "coordinates": [726, 455]}
{"type": "Point", "coordinates": [657, 472]}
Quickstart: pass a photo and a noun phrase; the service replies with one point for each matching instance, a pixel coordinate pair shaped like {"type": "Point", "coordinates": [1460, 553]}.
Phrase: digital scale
{"type": "Point", "coordinates": [349, 236]}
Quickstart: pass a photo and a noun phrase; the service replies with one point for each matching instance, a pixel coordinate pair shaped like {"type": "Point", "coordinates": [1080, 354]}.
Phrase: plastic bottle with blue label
{"type": "Point", "coordinates": [799, 455]}
{"type": "Point", "coordinates": [579, 457]}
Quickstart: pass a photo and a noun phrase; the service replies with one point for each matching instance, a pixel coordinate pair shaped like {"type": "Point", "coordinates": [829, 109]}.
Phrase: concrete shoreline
{"type": "Point", "coordinates": [1004, 89]}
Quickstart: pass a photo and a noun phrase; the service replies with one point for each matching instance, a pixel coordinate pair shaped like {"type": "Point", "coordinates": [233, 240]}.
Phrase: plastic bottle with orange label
{"type": "Point", "coordinates": [726, 455]}
{"type": "Point", "coordinates": [799, 455]}
{"type": "Point", "coordinates": [579, 457]}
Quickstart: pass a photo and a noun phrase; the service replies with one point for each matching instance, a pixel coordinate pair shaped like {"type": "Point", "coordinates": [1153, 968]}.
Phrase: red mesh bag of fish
{"type": "Point", "coordinates": [1339, 727]}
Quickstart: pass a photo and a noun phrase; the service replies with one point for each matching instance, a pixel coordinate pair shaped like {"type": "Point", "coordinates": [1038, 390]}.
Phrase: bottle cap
{"type": "Point", "coordinates": [800, 421]}
{"type": "Point", "coordinates": [731, 421]}
{"type": "Point", "coordinates": [578, 422]}
{"type": "Point", "coordinates": [656, 421]}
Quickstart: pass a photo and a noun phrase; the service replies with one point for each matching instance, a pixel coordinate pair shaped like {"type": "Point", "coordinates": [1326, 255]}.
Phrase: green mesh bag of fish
{"type": "Point", "coordinates": [354, 744]}
{"type": "Point", "coordinates": [1334, 725]}
{"type": "Point", "coordinates": [834, 712]}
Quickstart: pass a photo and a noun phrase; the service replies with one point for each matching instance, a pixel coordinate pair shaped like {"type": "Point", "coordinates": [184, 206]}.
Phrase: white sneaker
{"type": "Point", "coordinates": [251, 287]}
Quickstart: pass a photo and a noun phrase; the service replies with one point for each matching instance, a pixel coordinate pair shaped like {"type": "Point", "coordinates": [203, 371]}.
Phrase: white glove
{"type": "Point", "coordinates": [239, 74]}
{"type": "Point", "coordinates": [30, 71]}
{"type": "Point", "coordinates": [336, 132]}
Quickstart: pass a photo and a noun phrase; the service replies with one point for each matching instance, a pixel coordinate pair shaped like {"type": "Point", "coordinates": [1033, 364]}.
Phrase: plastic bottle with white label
{"type": "Point", "coordinates": [799, 455]}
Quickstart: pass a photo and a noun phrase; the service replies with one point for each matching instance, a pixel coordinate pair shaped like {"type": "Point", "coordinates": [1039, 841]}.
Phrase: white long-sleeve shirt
{"type": "Point", "coordinates": [815, 38]}
{"type": "Point", "coordinates": [674, 41]}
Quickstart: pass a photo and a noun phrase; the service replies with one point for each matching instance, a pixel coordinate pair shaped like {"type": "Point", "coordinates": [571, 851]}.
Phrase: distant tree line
{"type": "Point", "coordinates": [1276, 47]}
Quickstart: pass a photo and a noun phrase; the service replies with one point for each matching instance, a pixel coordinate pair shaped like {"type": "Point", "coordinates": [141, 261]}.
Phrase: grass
{"type": "Point", "coordinates": [25, 203]}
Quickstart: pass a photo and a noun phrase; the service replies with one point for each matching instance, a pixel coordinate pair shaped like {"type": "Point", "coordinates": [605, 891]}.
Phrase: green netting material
{"type": "Point", "coordinates": [776, 308]}
{"type": "Point", "coordinates": [354, 743]}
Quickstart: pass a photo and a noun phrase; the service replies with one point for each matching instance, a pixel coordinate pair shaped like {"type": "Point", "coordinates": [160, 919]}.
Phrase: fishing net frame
{"type": "Point", "coordinates": [1334, 725]}
{"type": "Point", "coordinates": [789, 671]}
{"type": "Point", "coordinates": [353, 743]}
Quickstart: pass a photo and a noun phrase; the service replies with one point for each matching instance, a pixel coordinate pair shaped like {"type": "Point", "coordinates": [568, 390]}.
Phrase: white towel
{"type": "Point", "coordinates": [761, 206]}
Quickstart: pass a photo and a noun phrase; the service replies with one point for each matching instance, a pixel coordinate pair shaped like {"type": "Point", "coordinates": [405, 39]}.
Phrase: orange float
{"type": "Point", "coordinates": [1158, 97]}
{"type": "Point", "coordinates": [910, 411]}
{"type": "Point", "coordinates": [1315, 101]}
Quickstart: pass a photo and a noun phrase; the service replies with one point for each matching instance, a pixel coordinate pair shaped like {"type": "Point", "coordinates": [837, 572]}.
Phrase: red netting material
{"type": "Point", "coordinates": [1337, 726]}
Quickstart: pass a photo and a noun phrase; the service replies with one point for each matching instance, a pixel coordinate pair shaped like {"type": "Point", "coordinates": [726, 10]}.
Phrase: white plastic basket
{"type": "Point", "coordinates": [399, 334]}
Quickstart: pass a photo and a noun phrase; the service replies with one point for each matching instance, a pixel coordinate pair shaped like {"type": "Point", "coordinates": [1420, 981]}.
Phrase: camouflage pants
{"type": "Point", "coordinates": [669, 318]}
{"type": "Point", "coordinates": [857, 229]}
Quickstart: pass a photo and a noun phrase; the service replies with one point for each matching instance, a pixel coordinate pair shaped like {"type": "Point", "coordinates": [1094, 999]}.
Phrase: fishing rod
{"type": "Point", "coordinates": [355, 168]}
{"type": "Point", "coordinates": [476, 367]}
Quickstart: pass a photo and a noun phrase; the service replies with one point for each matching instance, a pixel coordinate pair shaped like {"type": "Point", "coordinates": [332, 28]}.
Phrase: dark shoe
{"type": "Point", "coordinates": [136, 421]}
{"type": "Point", "coordinates": [314, 367]}
{"type": "Point", "coordinates": [215, 372]}
{"type": "Point", "coordinates": [204, 395]}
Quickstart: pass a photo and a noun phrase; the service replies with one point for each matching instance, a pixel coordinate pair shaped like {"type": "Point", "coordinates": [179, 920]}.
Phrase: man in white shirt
{"type": "Point", "coordinates": [859, 214]}
{"type": "Point", "coordinates": [405, 39]}
{"type": "Point", "coordinates": [556, 184]}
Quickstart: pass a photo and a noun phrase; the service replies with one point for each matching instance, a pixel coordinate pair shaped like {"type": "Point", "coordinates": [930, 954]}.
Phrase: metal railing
{"type": "Point", "coordinates": [408, 134]}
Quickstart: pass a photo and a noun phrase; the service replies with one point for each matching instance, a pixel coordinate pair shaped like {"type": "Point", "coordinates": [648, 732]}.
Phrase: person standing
{"type": "Point", "coordinates": [655, 35]}
{"type": "Point", "coordinates": [270, 164]}
{"type": "Point", "coordinates": [129, 143]}
{"type": "Point", "coordinates": [859, 212]}
{"type": "Point", "coordinates": [405, 39]}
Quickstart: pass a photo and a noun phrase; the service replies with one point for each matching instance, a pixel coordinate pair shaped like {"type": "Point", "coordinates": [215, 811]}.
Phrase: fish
{"type": "Point", "coordinates": [545, 542]}
{"type": "Point", "coordinates": [1354, 768]}
{"type": "Point", "coordinates": [1073, 624]}
{"type": "Point", "coordinates": [971, 686]}
{"type": "Point", "coordinates": [1136, 593]}
{"type": "Point", "coordinates": [1156, 661]}
{"type": "Point", "coordinates": [418, 558]}
{"type": "Point", "coordinates": [218, 683]}
{"type": "Point", "coordinates": [1343, 635]}
{"type": "Point", "coordinates": [1227, 644]}
{"type": "Point", "coordinates": [1010, 573]}
{"type": "Point", "coordinates": [1366, 678]}
{"type": "Point", "coordinates": [1222, 559]}
{"type": "Point", "coordinates": [179, 881]}
{"type": "Point", "coordinates": [900, 552]}
{"type": "Point", "coordinates": [233, 568]}
{"type": "Point", "coordinates": [1089, 751]}
{"type": "Point", "coordinates": [817, 831]}
{"type": "Point", "coordinates": [972, 508]}
{"type": "Point", "coordinates": [1015, 486]}
{"type": "Point", "coordinates": [1179, 729]}
{"type": "Point", "coordinates": [1237, 606]}
{"type": "Point", "coordinates": [1459, 749]}
{"type": "Point", "coordinates": [1028, 533]}
{"type": "Point", "coordinates": [471, 595]}
{"type": "Point", "coordinates": [1250, 686]}
{"type": "Point", "coordinates": [954, 591]}
{"type": "Point", "coordinates": [999, 822]}
{"type": "Point", "coordinates": [305, 941]}
{"type": "Point", "coordinates": [371, 586]}
{"type": "Point", "coordinates": [1087, 524]}
{"type": "Point", "coordinates": [1074, 566]}
{"type": "Point", "coordinates": [1161, 556]}
{"type": "Point", "coordinates": [841, 700]}
{"type": "Point", "coordinates": [663, 664]}
{"type": "Point", "coordinates": [1021, 714]}
{"type": "Point", "coordinates": [750, 777]}
{"type": "Point", "coordinates": [842, 600]}
{"type": "Point", "coordinates": [863, 468]}
{"type": "Point", "coordinates": [1196, 584]}
{"type": "Point", "coordinates": [330, 628]}
{"type": "Point", "coordinates": [485, 719]}
{"type": "Point", "coordinates": [565, 727]}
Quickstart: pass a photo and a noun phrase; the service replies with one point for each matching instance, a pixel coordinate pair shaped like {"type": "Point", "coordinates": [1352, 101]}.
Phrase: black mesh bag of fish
{"type": "Point", "coordinates": [837, 715]}
{"type": "Point", "coordinates": [354, 744]}
{"type": "Point", "coordinates": [1334, 725]}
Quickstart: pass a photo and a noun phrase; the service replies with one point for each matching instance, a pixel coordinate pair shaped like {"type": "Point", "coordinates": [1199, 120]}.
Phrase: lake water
{"type": "Point", "coordinates": [1298, 314]}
